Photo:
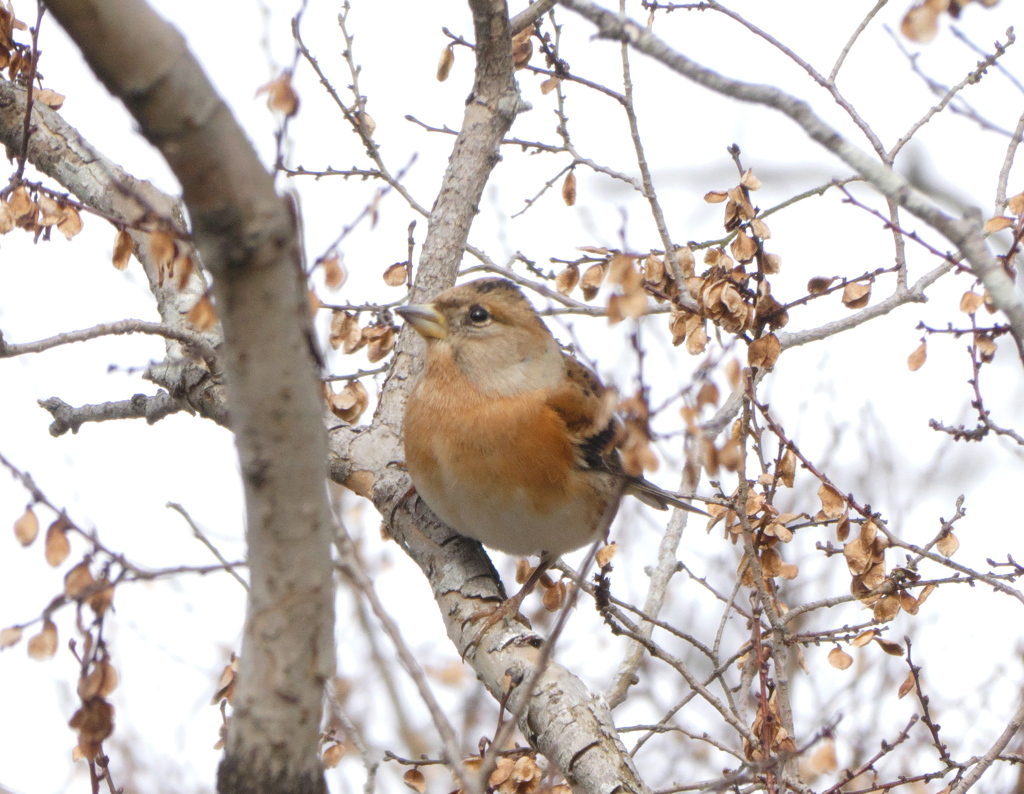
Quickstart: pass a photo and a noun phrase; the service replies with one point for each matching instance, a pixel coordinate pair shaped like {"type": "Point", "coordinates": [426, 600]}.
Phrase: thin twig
{"type": "Point", "coordinates": [994, 752]}
{"type": "Point", "coordinates": [1004, 171]}
{"type": "Point", "coordinates": [190, 339]}
{"type": "Point", "coordinates": [201, 537]}
{"type": "Point", "coordinates": [853, 38]}
{"type": "Point", "coordinates": [26, 129]}
{"type": "Point", "coordinates": [352, 566]}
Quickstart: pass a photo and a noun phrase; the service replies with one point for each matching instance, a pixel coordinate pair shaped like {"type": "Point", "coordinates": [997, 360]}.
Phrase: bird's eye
{"type": "Point", "coordinates": [478, 314]}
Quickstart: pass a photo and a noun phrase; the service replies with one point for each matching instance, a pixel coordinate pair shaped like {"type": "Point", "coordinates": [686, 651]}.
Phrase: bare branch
{"type": "Point", "coordinates": [645, 171]}
{"type": "Point", "coordinates": [352, 567]}
{"type": "Point", "coordinates": [657, 591]}
{"type": "Point", "coordinates": [141, 406]}
{"type": "Point", "coordinates": [993, 753]}
{"type": "Point", "coordinates": [970, 79]}
{"type": "Point", "coordinates": [59, 151]}
{"type": "Point", "coordinates": [853, 38]}
{"type": "Point", "coordinates": [247, 237]}
{"type": "Point", "coordinates": [186, 336]}
{"type": "Point", "coordinates": [562, 720]}
{"type": "Point", "coordinates": [966, 234]}
{"type": "Point", "coordinates": [201, 537]}
{"type": "Point", "coordinates": [1004, 171]}
{"type": "Point", "coordinates": [529, 15]}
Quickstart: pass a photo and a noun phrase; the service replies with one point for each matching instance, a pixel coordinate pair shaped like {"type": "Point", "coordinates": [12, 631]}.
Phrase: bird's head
{"type": "Point", "coordinates": [492, 333]}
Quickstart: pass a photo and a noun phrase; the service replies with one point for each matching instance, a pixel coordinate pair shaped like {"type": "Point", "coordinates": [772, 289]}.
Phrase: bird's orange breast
{"type": "Point", "coordinates": [500, 469]}
{"type": "Point", "coordinates": [495, 444]}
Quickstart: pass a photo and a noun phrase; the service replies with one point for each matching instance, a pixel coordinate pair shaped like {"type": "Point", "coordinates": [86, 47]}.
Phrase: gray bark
{"type": "Point", "coordinates": [246, 236]}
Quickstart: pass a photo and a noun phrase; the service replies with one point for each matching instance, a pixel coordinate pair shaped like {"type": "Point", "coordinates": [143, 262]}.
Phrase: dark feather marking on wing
{"type": "Point", "coordinates": [598, 450]}
{"type": "Point", "coordinates": [583, 376]}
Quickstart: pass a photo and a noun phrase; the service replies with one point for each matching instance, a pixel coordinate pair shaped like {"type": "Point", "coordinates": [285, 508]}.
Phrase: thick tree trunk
{"type": "Point", "coordinates": [246, 236]}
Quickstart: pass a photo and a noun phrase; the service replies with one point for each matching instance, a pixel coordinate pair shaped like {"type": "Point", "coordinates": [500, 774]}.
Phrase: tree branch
{"type": "Point", "coordinates": [979, 769]}
{"type": "Point", "coordinates": [246, 235]}
{"type": "Point", "coordinates": [563, 720]}
{"type": "Point", "coordinates": [186, 336]}
{"type": "Point", "coordinates": [141, 406]}
{"type": "Point", "coordinates": [966, 233]}
{"type": "Point", "coordinates": [57, 149]}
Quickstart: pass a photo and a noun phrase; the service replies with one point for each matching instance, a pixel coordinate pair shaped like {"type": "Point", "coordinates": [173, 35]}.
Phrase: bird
{"type": "Point", "coordinates": [508, 439]}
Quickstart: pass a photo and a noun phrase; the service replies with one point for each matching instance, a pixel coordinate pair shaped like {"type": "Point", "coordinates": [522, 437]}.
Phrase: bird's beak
{"type": "Point", "coordinates": [425, 318]}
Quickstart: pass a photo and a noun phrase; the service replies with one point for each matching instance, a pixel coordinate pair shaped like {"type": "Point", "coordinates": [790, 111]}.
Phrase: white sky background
{"type": "Point", "coordinates": [846, 401]}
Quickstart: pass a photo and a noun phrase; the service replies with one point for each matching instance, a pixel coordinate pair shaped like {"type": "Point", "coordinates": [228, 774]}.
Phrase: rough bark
{"type": "Point", "coordinates": [246, 236]}
{"type": "Point", "coordinates": [561, 718]}
{"type": "Point", "coordinates": [266, 749]}
{"type": "Point", "coordinates": [58, 150]}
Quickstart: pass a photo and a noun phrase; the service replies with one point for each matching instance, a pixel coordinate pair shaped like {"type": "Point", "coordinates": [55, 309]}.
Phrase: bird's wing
{"type": "Point", "coordinates": [587, 407]}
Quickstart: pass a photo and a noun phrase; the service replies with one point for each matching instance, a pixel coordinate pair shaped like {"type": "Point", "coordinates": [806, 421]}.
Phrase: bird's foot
{"type": "Point", "coordinates": [509, 608]}
{"type": "Point", "coordinates": [491, 616]}
{"type": "Point", "coordinates": [401, 501]}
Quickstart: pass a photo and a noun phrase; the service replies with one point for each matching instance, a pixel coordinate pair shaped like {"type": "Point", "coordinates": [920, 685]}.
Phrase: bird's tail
{"type": "Point", "coordinates": [650, 494]}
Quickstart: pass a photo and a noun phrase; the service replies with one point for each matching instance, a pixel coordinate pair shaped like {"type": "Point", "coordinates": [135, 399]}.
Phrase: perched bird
{"type": "Point", "coordinates": [507, 439]}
